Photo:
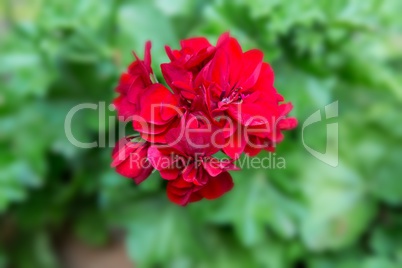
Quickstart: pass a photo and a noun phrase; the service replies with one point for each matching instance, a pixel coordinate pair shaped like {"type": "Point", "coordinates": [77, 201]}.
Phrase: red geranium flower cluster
{"type": "Point", "coordinates": [220, 99]}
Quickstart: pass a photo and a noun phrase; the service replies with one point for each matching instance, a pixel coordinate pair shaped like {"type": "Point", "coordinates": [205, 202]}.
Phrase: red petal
{"type": "Point", "coordinates": [179, 191]}
{"type": "Point", "coordinates": [235, 145]}
{"type": "Point", "coordinates": [176, 75]}
{"type": "Point", "coordinates": [170, 174]}
{"type": "Point", "coordinates": [136, 166]}
{"type": "Point", "coordinates": [217, 186]}
{"type": "Point", "coordinates": [159, 160]}
{"type": "Point", "coordinates": [147, 56]}
{"type": "Point", "coordinates": [252, 61]}
{"type": "Point", "coordinates": [158, 105]}
{"type": "Point", "coordinates": [124, 148]}
{"type": "Point", "coordinates": [287, 124]}
{"type": "Point", "coordinates": [125, 109]}
{"type": "Point", "coordinates": [136, 89]}
{"type": "Point", "coordinates": [252, 114]}
{"type": "Point", "coordinates": [128, 168]}
{"type": "Point", "coordinates": [236, 64]}
{"type": "Point", "coordinates": [181, 200]}
{"type": "Point", "coordinates": [218, 70]}
{"type": "Point", "coordinates": [190, 173]}
{"type": "Point", "coordinates": [195, 197]}
{"type": "Point", "coordinates": [223, 39]}
{"type": "Point", "coordinates": [213, 167]}
{"type": "Point", "coordinates": [144, 174]}
{"type": "Point", "coordinates": [196, 43]}
{"type": "Point", "coordinates": [180, 183]}
{"type": "Point", "coordinates": [199, 60]}
{"type": "Point", "coordinates": [265, 82]}
{"type": "Point", "coordinates": [285, 108]}
{"type": "Point", "coordinates": [125, 83]}
{"type": "Point", "coordinates": [254, 146]}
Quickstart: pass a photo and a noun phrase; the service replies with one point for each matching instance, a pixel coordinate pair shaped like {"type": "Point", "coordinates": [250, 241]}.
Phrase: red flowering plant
{"type": "Point", "coordinates": [220, 99]}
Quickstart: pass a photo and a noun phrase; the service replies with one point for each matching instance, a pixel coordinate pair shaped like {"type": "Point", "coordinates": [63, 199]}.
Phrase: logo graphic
{"type": "Point", "coordinates": [330, 156]}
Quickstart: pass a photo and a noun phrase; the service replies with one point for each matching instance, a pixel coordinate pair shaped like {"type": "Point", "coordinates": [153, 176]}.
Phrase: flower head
{"type": "Point", "coordinates": [130, 159]}
{"type": "Point", "coordinates": [221, 98]}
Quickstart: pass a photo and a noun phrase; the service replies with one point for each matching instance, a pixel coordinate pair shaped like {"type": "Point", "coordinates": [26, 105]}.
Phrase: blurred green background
{"type": "Point", "coordinates": [57, 54]}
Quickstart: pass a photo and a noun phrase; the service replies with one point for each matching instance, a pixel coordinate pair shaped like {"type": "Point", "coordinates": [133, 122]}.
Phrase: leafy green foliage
{"type": "Point", "coordinates": [57, 54]}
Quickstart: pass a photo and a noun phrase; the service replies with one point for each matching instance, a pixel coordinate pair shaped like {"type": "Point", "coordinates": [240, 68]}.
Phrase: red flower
{"type": "Point", "coordinates": [181, 192]}
{"type": "Point", "coordinates": [151, 106]}
{"type": "Point", "coordinates": [132, 85]}
{"type": "Point", "coordinates": [225, 81]}
{"type": "Point", "coordinates": [240, 86]}
{"type": "Point", "coordinates": [188, 164]}
{"type": "Point", "coordinates": [221, 98]}
{"type": "Point", "coordinates": [130, 159]}
{"type": "Point", "coordinates": [186, 63]}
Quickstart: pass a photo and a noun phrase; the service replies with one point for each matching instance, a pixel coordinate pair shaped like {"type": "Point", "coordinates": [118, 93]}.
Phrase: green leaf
{"type": "Point", "coordinates": [255, 204]}
{"type": "Point", "coordinates": [338, 208]}
{"type": "Point", "coordinates": [160, 234]}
